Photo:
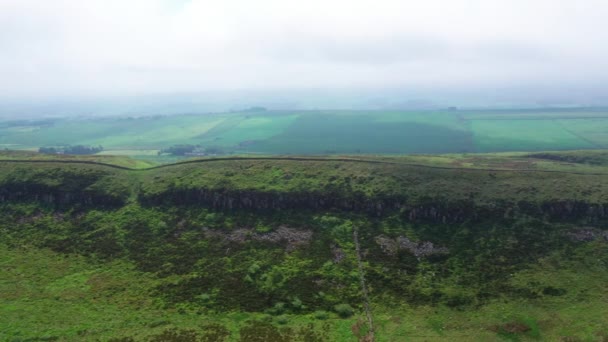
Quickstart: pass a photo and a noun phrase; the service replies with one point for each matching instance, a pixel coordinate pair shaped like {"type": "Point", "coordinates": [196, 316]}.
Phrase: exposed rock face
{"type": "Point", "coordinates": [575, 209]}
{"type": "Point", "coordinates": [587, 235]}
{"type": "Point", "coordinates": [291, 237]}
{"type": "Point", "coordinates": [57, 216]}
{"type": "Point", "coordinates": [257, 200]}
{"type": "Point", "coordinates": [430, 210]}
{"type": "Point", "coordinates": [337, 254]}
{"type": "Point", "coordinates": [418, 249]}
{"type": "Point", "coordinates": [55, 196]}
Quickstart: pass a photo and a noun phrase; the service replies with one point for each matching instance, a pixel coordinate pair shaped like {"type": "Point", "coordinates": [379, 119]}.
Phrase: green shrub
{"type": "Point", "coordinates": [321, 315]}
{"type": "Point", "coordinates": [296, 304]}
{"type": "Point", "coordinates": [214, 332]}
{"type": "Point", "coordinates": [258, 331]}
{"type": "Point", "coordinates": [283, 319]}
{"type": "Point", "coordinates": [277, 309]}
{"type": "Point", "coordinates": [344, 310]}
{"type": "Point", "coordinates": [175, 335]}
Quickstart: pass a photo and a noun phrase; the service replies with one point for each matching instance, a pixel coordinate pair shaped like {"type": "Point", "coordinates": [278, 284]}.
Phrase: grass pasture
{"type": "Point", "coordinates": [327, 134]}
{"type": "Point", "coordinates": [234, 130]}
{"type": "Point", "coordinates": [323, 132]}
{"type": "Point", "coordinates": [592, 130]}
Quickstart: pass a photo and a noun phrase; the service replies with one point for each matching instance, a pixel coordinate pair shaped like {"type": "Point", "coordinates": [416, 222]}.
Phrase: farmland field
{"type": "Point", "coordinates": [322, 132]}
{"type": "Point", "coordinates": [522, 135]}
{"type": "Point", "coordinates": [595, 131]}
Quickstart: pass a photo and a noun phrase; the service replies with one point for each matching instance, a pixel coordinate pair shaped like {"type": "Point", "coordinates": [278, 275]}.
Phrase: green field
{"type": "Point", "coordinates": [322, 132]}
{"type": "Point", "coordinates": [524, 135]}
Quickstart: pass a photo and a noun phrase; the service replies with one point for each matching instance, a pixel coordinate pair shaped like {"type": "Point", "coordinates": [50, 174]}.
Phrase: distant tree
{"type": "Point", "coordinates": [183, 150]}
{"type": "Point", "coordinates": [214, 150]}
{"type": "Point", "coordinates": [82, 149]}
{"type": "Point", "coordinates": [47, 150]}
{"type": "Point", "coordinates": [179, 150]}
{"type": "Point", "coordinates": [256, 109]}
{"type": "Point", "coordinates": [76, 149]}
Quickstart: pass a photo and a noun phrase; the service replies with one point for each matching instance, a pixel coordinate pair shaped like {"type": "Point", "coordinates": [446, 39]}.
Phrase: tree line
{"type": "Point", "coordinates": [76, 149]}
{"type": "Point", "coordinates": [185, 150]}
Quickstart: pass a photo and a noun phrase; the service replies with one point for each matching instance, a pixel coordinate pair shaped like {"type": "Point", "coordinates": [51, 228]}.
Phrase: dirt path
{"type": "Point", "coordinates": [368, 311]}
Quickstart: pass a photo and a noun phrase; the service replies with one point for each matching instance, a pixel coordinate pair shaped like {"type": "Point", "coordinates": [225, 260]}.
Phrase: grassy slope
{"type": "Point", "coordinates": [590, 161]}
{"type": "Point", "coordinates": [100, 158]}
{"type": "Point", "coordinates": [413, 176]}
{"type": "Point", "coordinates": [414, 183]}
{"type": "Point", "coordinates": [453, 177]}
{"type": "Point", "coordinates": [45, 294]}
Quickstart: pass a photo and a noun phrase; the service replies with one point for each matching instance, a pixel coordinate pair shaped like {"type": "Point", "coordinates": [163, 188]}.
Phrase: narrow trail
{"type": "Point", "coordinates": [299, 159]}
{"type": "Point", "coordinates": [368, 311]}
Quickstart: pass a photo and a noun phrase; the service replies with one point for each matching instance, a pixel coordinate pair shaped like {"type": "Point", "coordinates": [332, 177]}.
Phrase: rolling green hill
{"type": "Point", "coordinates": [463, 247]}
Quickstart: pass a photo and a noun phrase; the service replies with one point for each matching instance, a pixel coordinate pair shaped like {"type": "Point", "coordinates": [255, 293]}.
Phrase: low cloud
{"type": "Point", "coordinates": [71, 47]}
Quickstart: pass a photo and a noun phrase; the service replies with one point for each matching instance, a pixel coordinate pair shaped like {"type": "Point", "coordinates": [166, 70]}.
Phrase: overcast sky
{"type": "Point", "coordinates": [84, 47]}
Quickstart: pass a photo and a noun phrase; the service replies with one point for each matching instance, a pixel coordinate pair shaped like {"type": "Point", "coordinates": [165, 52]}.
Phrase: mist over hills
{"type": "Point", "coordinates": [303, 99]}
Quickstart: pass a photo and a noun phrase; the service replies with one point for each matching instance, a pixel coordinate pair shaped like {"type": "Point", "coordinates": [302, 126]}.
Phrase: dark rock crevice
{"type": "Point", "coordinates": [432, 210]}
{"type": "Point", "coordinates": [57, 196]}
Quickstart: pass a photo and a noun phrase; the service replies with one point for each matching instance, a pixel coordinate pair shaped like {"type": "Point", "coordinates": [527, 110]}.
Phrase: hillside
{"type": "Point", "coordinates": [489, 247]}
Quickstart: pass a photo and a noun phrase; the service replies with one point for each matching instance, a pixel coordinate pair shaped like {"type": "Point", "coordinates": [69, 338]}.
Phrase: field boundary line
{"type": "Point", "coordinates": [565, 128]}
{"type": "Point", "coordinates": [303, 159]}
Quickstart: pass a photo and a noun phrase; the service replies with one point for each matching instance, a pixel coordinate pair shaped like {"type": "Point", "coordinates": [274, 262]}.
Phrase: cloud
{"type": "Point", "coordinates": [301, 47]}
{"type": "Point", "coordinates": [65, 47]}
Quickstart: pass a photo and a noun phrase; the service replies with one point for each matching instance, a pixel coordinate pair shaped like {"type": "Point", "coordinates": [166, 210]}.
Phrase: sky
{"type": "Point", "coordinates": [117, 47]}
